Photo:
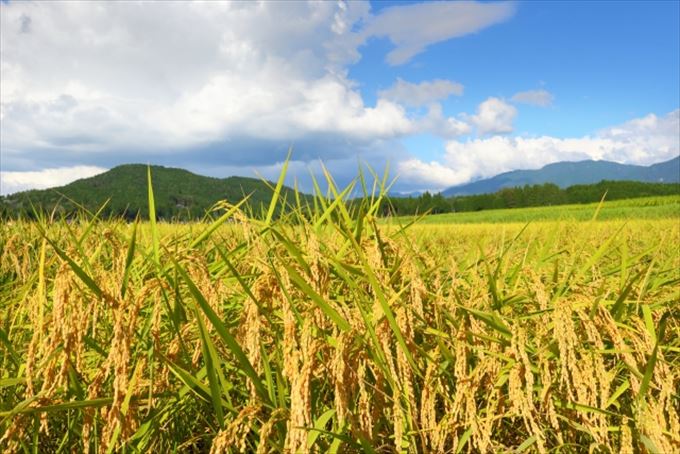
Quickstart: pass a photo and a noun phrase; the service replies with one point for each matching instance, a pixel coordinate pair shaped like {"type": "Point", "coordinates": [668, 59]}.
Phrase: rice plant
{"type": "Point", "coordinates": [324, 330]}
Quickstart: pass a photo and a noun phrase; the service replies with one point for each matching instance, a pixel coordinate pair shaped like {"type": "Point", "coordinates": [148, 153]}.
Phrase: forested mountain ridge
{"type": "Point", "coordinates": [564, 174]}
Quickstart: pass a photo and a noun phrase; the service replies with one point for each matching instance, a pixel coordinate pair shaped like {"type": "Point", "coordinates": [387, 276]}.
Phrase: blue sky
{"type": "Point", "coordinates": [605, 63]}
{"type": "Point", "coordinates": [444, 92]}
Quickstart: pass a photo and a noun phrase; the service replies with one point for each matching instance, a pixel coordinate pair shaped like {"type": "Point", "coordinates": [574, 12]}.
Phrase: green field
{"type": "Point", "coordinates": [666, 207]}
{"type": "Point", "coordinates": [327, 331]}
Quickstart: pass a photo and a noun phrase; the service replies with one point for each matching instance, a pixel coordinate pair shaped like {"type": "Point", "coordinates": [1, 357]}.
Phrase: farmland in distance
{"type": "Point", "coordinates": [665, 207]}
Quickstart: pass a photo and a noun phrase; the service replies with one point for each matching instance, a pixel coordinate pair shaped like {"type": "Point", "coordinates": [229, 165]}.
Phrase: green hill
{"type": "Point", "coordinates": [179, 194]}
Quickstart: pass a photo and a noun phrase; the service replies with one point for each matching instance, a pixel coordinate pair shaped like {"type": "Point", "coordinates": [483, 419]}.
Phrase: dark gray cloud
{"type": "Point", "coordinates": [25, 24]}
{"type": "Point", "coordinates": [240, 156]}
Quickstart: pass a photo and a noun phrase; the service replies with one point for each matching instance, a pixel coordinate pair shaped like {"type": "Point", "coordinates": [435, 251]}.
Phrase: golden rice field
{"type": "Point", "coordinates": [332, 333]}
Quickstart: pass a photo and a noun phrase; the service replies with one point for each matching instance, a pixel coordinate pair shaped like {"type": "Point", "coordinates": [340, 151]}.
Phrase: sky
{"type": "Point", "coordinates": [436, 93]}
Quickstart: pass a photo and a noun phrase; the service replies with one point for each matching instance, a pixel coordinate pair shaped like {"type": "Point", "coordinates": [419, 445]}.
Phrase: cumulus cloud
{"type": "Point", "coordinates": [159, 77]}
{"type": "Point", "coordinates": [411, 28]}
{"type": "Point", "coordinates": [15, 181]}
{"type": "Point", "coordinates": [494, 116]}
{"type": "Point", "coordinates": [641, 141]}
{"type": "Point", "coordinates": [541, 98]}
{"type": "Point", "coordinates": [228, 86]}
{"type": "Point", "coordinates": [433, 175]}
{"type": "Point", "coordinates": [435, 122]}
{"type": "Point", "coordinates": [95, 83]}
{"type": "Point", "coordinates": [420, 94]}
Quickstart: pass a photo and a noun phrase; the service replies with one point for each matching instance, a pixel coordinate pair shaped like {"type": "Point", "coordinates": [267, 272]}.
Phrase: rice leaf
{"type": "Point", "coordinates": [212, 366]}
{"type": "Point", "coordinates": [224, 334]}
{"type": "Point", "coordinates": [277, 191]}
{"type": "Point", "coordinates": [649, 369]}
{"type": "Point", "coordinates": [317, 299]}
{"type": "Point", "coordinates": [128, 259]}
{"type": "Point", "coordinates": [152, 219]}
{"type": "Point", "coordinates": [319, 425]}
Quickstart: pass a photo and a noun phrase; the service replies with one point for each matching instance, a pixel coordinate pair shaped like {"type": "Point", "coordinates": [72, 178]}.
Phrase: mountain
{"type": "Point", "coordinates": [566, 174]}
{"type": "Point", "coordinates": [178, 193]}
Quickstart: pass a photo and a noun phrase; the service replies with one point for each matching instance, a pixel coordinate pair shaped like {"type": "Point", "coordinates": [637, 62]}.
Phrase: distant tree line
{"type": "Point", "coordinates": [527, 196]}
{"type": "Point", "coordinates": [115, 209]}
{"type": "Point", "coordinates": [192, 205]}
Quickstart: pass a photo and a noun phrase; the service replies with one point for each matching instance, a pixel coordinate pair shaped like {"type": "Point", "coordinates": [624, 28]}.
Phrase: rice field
{"type": "Point", "coordinates": [658, 207]}
{"type": "Point", "coordinates": [327, 331]}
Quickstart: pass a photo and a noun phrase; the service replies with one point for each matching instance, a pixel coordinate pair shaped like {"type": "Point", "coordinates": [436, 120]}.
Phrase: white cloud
{"type": "Point", "coordinates": [168, 76]}
{"type": "Point", "coordinates": [446, 127]}
{"type": "Point", "coordinates": [420, 94]}
{"type": "Point", "coordinates": [541, 97]}
{"type": "Point", "coordinates": [82, 81]}
{"type": "Point", "coordinates": [11, 182]}
{"type": "Point", "coordinates": [641, 141]}
{"type": "Point", "coordinates": [494, 116]}
{"type": "Point", "coordinates": [433, 175]}
{"type": "Point", "coordinates": [412, 28]}
{"type": "Point", "coordinates": [224, 83]}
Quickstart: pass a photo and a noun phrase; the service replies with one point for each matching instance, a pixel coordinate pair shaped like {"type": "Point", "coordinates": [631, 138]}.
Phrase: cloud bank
{"type": "Point", "coordinates": [84, 82]}
{"type": "Point", "coordinates": [11, 182]}
{"type": "Point", "coordinates": [641, 141]}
